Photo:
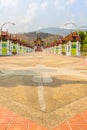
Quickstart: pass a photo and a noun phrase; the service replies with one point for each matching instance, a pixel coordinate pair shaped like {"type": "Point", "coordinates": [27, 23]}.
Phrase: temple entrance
{"type": "Point", "coordinates": [38, 44]}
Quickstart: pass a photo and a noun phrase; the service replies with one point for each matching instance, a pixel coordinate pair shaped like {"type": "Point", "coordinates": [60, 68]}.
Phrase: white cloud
{"type": "Point", "coordinates": [56, 2]}
{"type": "Point", "coordinates": [6, 3]}
{"type": "Point", "coordinates": [26, 16]}
{"type": "Point", "coordinates": [31, 12]}
{"type": "Point", "coordinates": [59, 5]}
{"type": "Point", "coordinates": [70, 2]}
{"type": "Point", "coordinates": [86, 1]}
{"type": "Point", "coordinates": [44, 4]}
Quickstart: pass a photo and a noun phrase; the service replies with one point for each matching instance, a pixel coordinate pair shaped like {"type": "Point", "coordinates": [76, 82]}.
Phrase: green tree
{"type": "Point", "coordinates": [83, 36]}
{"type": "Point", "coordinates": [85, 40]}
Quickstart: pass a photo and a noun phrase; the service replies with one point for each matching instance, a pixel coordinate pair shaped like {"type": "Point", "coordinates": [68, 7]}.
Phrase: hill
{"type": "Point", "coordinates": [53, 30]}
{"type": "Point", "coordinates": [32, 36]}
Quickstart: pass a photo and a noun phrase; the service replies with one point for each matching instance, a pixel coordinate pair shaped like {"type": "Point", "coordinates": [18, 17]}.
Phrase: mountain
{"type": "Point", "coordinates": [33, 35]}
{"type": "Point", "coordinates": [54, 31]}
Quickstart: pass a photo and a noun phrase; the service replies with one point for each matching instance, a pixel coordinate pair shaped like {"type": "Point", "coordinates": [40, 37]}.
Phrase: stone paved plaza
{"type": "Point", "coordinates": [45, 88]}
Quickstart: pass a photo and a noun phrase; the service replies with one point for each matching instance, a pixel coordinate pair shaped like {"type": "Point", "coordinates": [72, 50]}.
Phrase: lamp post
{"type": "Point", "coordinates": [77, 27]}
{"type": "Point", "coordinates": [1, 28]}
{"type": "Point", "coordinates": [72, 24]}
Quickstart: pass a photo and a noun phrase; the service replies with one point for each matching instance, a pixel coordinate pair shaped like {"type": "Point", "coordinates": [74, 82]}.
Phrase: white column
{"type": "Point", "coordinates": [51, 49]}
{"type": "Point", "coordinates": [18, 49]}
{"type": "Point", "coordinates": [35, 47]}
{"type": "Point", "coordinates": [24, 49]}
{"type": "Point", "coordinates": [60, 49]}
{"type": "Point", "coordinates": [42, 48]}
{"type": "Point", "coordinates": [45, 49]}
{"type": "Point", "coordinates": [10, 48]}
{"type": "Point", "coordinates": [78, 48]}
{"type": "Point", "coordinates": [27, 49]}
{"type": "Point", "coordinates": [48, 49]}
{"type": "Point", "coordinates": [54, 49]}
{"type": "Point", "coordinates": [68, 49]}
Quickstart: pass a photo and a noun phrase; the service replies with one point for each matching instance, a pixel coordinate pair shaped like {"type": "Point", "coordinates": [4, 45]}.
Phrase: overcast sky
{"type": "Point", "coordinates": [30, 15]}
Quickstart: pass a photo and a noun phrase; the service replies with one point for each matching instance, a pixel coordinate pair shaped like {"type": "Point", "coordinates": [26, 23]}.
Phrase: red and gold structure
{"type": "Point", "coordinates": [12, 45]}
{"type": "Point", "coordinates": [69, 45]}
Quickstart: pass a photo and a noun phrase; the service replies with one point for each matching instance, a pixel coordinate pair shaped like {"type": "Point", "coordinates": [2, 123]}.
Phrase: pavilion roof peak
{"type": "Point", "coordinates": [4, 33]}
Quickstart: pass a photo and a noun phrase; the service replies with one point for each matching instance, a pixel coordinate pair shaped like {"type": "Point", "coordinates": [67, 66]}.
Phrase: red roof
{"type": "Point", "coordinates": [64, 40]}
{"type": "Point", "coordinates": [73, 36]}
{"type": "Point", "coordinates": [70, 38]}
{"type": "Point", "coordinates": [4, 33]}
{"type": "Point", "coordinates": [14, 38]}
{"type": "Point", "coordinates": [78, 38]}
{"type": "Point", "coordinates": [59, 41]}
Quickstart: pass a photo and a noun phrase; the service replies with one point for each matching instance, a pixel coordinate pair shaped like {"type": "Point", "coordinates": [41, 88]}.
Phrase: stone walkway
{"type": "Point", "coordinates": [78, 122]}
{"type": "Point", "coordinates": [11, 121]}
{"type": "Point", "coordinates": [45, 90]}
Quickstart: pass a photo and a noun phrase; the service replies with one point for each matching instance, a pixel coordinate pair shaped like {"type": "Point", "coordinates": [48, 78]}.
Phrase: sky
{"type": "Point", "coordinates": [31, 15]}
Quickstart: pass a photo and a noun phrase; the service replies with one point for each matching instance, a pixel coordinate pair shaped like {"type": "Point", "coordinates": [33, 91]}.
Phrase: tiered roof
{"type": "Point", "coordinates": [73, 36]}
{"type": "Point", "coordinates": [14, 38]}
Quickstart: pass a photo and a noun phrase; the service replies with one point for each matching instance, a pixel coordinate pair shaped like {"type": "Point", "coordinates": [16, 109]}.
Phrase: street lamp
{"type": "Point", "coordinates": [1, 28]}
{"type": "Point", "coordinates": [77, 28]}
{"type": "Point", "coordinates": [72, 23]}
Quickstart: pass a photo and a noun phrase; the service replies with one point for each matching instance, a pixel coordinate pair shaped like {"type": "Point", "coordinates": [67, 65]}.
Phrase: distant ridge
{"type": "Point", "coordinates": [54, 30]}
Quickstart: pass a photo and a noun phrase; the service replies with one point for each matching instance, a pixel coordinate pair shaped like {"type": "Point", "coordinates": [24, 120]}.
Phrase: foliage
{"type": "Point", "coordinates": [83, 37]}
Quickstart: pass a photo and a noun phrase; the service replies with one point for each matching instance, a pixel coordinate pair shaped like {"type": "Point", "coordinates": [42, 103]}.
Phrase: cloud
{"type": "Point", "coordinates": [59, 5]}
{"type": "Point", "coordinates": [6, 3]}
{"type": "Point", "coordinates": [44, 4]}
{"type": "Point", "coordinates": [70, 2]}
{"type": "Point", "coordinates": [86, 1]}
{"type": "Point", "coordinates": [56, 2]}
{"type": "Point", "coordinates": [62, 3]}
{"type": "Point", "coordinates": [31, 12]}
